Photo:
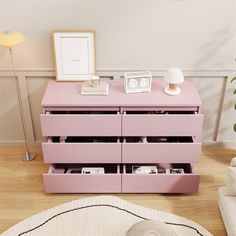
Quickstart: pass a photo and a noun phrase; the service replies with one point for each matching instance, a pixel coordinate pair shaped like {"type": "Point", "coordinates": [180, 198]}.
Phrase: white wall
{"type": "Point", "coordinates": [197, 35]}
{"type": "Point", "coordinates": [193, 34]}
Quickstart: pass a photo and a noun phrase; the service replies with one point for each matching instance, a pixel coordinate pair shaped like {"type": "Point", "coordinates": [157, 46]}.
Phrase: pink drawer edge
{"type": "Point", "coordinates": [82, 152]}
{"type": "Point", "coordinates": [161, 152]}
{"type": "Point", "coordinates": [188, 183]}
{"type": "Point", "coordinates": [162, 125]}
{"type": "Point", "coordinates": [80, 125]}
{"type": "Point", "coordinates": [78, 183]}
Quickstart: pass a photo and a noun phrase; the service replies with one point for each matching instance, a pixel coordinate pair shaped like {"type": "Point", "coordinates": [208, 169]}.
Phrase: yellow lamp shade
{"type": "Point", "coordinates": [9, 39]}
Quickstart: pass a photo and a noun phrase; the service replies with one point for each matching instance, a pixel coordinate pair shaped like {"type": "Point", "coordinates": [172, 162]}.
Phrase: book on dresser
{"type": "Point", "coordinates": [102, 88]}
{"type": "Point", "coordinates": [93, 142]}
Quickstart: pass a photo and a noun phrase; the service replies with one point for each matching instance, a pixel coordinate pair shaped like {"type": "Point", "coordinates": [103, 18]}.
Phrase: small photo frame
{"type": "Point", "coordinates": [137, 82]}
{"type": "Point", "coordinates": [74, 55]}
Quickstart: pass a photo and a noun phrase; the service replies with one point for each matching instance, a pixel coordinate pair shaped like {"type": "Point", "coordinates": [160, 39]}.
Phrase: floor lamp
{"type": "Point", "coordinates": [9, 39]}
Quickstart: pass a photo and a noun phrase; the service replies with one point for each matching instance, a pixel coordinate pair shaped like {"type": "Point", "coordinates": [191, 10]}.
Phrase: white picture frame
{"type": "Point", "coordinates": [74, 55]}
{"type": "Point", "coordinates": [138, 82]}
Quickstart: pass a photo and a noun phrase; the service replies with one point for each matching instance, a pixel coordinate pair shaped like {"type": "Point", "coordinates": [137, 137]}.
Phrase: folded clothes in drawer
{"type": "Point", "coordinates": [64, 178]}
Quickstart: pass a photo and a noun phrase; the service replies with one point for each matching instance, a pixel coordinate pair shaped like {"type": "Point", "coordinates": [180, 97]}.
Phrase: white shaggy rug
{"type": "Point", "coordinates": [98, 216]}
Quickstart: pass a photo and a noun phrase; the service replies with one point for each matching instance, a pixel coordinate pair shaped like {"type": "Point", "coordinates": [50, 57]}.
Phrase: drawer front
{"type": "Point", "coordinates": [160, 152]}
{"type": "Point", "coordinates": [81, 152]}
{"type": "Point", "coordinates": [160, 183]}
{"type": "Point", "coordinates": [79, 183]}
{"type": "Point", "coordinates": [80, 125]}
{"type": "Point", "coordinates": [162, 125]}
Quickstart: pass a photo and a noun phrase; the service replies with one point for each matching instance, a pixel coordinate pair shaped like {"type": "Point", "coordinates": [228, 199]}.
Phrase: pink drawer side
{"type": "Point", "coordinates": [161, 152]}
{"type": "Point", "coordinates": [162, 125]}
{"type": "Point", "coordinates": [82, 152]}
{"type": "Point", "coordinates": [80, 125]}
{"type": "Point", "coordinates": [160, 183]}
{"type": "Point", "coordinates": [75, 183]}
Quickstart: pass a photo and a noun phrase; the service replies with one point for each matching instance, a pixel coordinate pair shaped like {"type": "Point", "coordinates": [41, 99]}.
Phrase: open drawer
{"type": "Point", "coordinates": [81, 123]}
{"type": "Point", "coordinates": [62, 178]}
{"type": "Point", "coordinates": [170, 123]}
{"type": "Point", "coordinates": [187, 182]}
{"type": "Point", "coordinates": [82, 150]}
{"type": "Point", "coordinates": [160, 149]}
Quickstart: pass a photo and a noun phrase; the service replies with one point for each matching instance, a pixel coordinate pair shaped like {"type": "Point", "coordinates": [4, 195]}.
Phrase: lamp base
{"type": "Point", "coordinates": [27, 156]}
{"type": "Point", "coordinates": [175, 92]}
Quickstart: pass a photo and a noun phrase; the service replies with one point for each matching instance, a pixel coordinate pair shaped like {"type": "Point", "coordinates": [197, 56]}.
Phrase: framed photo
{"type": "Point", "coordinates": [74, 54]}
{"type": "Point", "coordinates": [137, 82]}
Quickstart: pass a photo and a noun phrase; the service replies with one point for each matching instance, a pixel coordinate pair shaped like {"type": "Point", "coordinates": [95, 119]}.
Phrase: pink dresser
{"type": "Point", "coordinates": [118, 132]}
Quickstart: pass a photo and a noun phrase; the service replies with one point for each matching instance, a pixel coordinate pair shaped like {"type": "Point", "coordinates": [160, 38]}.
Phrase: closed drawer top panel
{"type": "Point", "coordinates": [67, 94]}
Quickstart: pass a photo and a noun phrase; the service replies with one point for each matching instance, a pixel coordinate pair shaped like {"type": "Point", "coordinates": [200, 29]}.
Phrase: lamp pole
{"type": "Point", "coordinates": [27, 156]}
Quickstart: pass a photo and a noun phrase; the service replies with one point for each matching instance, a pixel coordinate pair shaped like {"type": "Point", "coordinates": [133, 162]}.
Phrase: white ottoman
{"type": "Point", "coordinates": [227, 206]}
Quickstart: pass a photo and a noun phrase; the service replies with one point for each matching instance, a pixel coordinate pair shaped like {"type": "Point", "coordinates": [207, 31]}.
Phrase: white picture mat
{"type": "Point", "coordinates": [74, 55]}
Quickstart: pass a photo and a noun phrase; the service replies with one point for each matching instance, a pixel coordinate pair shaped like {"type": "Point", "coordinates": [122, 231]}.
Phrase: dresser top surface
{"type": "Point", "coordinates": [64, 94]}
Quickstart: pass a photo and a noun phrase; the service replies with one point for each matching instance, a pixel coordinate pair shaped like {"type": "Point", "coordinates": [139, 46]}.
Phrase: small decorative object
{"type": "Point", "coordinates": [94, 80]}
{"type": "Point", "coordinates": [136, 82]}
{"type": "Point", "coordinates": [174, 76]}
{"type": "Point", "coordinates": [144, 169]}
{"type": "Point", "coordinates": [9, 39]}
{"type": "Point", "coordinates": [175, 171]}
{"type": "Point", "coordinates": [150, 228]}
{"type": "Point", "coordinates": [161, 171]}
{"type": "Point", "coordinates": [74, 55]}
{"type": "Point", "coordinates": [93, 170]}
{"type": "Point", "coordinates": [95, 87]}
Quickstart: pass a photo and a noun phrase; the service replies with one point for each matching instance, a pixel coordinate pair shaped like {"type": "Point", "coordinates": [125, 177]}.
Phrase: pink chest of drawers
{"type": "Point", "coordinates": [117, 132]}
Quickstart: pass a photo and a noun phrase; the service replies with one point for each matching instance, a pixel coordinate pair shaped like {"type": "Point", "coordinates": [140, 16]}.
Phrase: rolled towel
{"type": "Point", "coordinates": [233, 162]}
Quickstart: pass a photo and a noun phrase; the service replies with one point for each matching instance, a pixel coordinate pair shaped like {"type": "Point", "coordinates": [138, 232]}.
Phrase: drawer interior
{"type": "Point", "coordinates": [162, 168]}
{"type": "Point", "coordinates": [135, 139]}
{"type": "Point", "coordinates": [160, 112]}
{"type": "Point", "coordinates": [75, 112]}
{"type": "Point", "coordinates": [159, 139]}
{"type": "Point", "coordinates": [77, 168]}
{"type": "Point", "coordinates": [89, 139]}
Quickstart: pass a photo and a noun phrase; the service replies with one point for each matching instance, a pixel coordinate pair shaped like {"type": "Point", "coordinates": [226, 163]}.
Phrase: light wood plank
{"type": "Point", "coordinates": [22, 193]}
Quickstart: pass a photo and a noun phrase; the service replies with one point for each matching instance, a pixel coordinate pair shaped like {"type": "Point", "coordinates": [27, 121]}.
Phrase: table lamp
{"type": "Point", "coordinates": [174, 76]}
{"type": "Point", "coordinates": [9, 39]}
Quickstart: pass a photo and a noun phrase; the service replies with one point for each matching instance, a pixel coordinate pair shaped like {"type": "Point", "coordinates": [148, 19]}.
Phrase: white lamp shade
{"type": "Point", "coordinates": [174, 76]}
{"type": "Point", "coordinates": [9, 39]}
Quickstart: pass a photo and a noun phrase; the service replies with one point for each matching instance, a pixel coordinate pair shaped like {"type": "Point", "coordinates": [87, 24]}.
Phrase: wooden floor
{"type": "Point", "coordinates": [22, 194]}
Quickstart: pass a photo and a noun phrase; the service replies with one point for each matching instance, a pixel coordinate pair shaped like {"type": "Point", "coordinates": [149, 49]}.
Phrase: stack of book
{"type": "Point", "coordinates": [102, 88]}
